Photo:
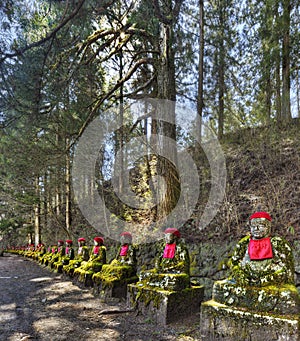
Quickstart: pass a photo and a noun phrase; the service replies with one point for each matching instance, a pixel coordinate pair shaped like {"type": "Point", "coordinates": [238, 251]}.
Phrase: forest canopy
{"type": "Point", "coordinates": [65, 64]}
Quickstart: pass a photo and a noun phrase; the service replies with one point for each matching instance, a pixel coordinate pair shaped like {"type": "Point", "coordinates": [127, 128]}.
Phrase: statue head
{"type": "Point", "coordinates": [172, 235]}
{"type": "Point", "coordinates": [81, 241]}
{"type": "Point", "coordinates": [60, 242]}
{"type": "Point", "coordinates": [125, 238]}
{"type": "Point", "coordinates": [98, 241]}
{"type": "Point", "coordinates": [69, 242]}
{"type": "Point", "coordinates": [260, 225]}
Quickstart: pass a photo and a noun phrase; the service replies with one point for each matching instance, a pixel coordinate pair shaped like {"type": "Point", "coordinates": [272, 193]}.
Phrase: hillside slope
{"type": "Point", "coordinates": [263, 173]}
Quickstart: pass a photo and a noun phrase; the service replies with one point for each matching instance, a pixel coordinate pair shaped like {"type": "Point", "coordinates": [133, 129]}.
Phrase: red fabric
{"type": "Point", "coordinates": [67, 250]}
{"type": "Point", "coordinates": [260, 249]}
{"type": "Point", "coordinates": [96, 250]}
{"type": "Point", "coordinates": [127, 234]}
{"type": "Point", "coordinates": [124, 250]}
{"type": "Point", "coordinates": [173, 231]}
{"type": "Point", "coordinates": [81, 239]}
{"type": "Point", "coordinates": [169, 251]}
{"type": "Point", "coordinates": [99, 240]}
{"type": "Point", "coordinates": [261, 215]}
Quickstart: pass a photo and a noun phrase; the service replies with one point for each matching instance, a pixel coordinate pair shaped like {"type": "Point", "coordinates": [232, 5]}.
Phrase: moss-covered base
{"type": "Point", "coordinates": [282, 299]}
{"type": "Point", "coordinates": [220, 322]}
{"type": "Point", "coordinates": [165, 306]}
{"type": "Point", "coordinates": [165, 281]}
{"type": "Point", "coordinates": [112, 281]}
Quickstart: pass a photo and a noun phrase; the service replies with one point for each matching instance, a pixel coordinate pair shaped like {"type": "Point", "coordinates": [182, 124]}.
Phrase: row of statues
{"type": "Point", "coordinates": [259, 260]}
{"type": "Point", "coordinates": [90, 266]}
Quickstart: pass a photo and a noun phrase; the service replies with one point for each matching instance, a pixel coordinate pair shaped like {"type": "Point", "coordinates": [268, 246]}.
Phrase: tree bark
{"type": "Point", "coordinates": [221, 75]}
{"type": "Point", "coordinates": [286, 97]}
{"type": "Point", "coordinates": [200, 101]}
{"type": "Point", "coordinates": [37, 220]}
{"type": "Point", "coordinates": [68, 217]}
{"type": "Point", "coordinates": [168, 191]}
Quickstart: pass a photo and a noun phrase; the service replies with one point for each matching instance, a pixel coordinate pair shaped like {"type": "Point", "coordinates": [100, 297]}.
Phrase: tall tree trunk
{"type": "Point", "coordinates": [221, 75]}
{"type": "Point", "coordinates": [200, 71]}
{"type": "Point", "coordinates": [121, 121]}
{"type": "Point", "coordinates": [267, 46]}
{"type": "Point", "coordinates": [286, 97]}
{"type": "Point", "coordinates": [166, 89]}
{"type": "Point", "coordinates": [37, 209]}
{"type": "Point", "coordinates": [57, 200]}
{"type": "Point", "coordinates": [68, 217]}
{"type": "Point", "coordinates": [298, 92]}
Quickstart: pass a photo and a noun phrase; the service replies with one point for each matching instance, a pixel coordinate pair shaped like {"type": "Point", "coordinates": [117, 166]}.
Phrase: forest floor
{"type": "Point", "coordinates": [37, 304]}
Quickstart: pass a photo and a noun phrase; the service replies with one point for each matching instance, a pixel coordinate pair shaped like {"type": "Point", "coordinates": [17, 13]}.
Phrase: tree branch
{"type": "Point", "coordinates": [107, 95]}
{"type": "Point", "coordinates": [40, 42]}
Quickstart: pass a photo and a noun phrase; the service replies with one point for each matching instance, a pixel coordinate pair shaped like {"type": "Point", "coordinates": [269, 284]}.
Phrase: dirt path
{"type": "Point", "coordinates": [36, 304]}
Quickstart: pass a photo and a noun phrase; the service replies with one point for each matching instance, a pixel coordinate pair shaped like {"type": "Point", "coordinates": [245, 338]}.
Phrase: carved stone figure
{"type": "Point", "coordinates": [261, 271]}
{"type": "Point", "coordinates": [61, 250]}
{"type": "Point", "coordinates": [82, 255]}
{"type": "Point", "coordinates": [69, 255]}
{"type": "Point", "coordinates": [122, 269]}
{"type": "Point", "coordinates": [172, 266]}
{"type": "Point", "coordinates": [94, 264]}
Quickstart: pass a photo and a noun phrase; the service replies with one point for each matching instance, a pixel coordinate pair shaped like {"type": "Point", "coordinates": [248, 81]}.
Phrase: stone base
{"type": "Point", "coordinates": [283, 299]}
{"type": "Point", "coordinates": [220, 322]}
{"type": "Point", "coordinates": [115, 289]}
{"type": "Point", "coordinates": [164, 306]}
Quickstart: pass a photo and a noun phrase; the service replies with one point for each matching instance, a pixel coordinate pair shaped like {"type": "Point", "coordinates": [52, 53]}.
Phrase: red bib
{"type": "Point", "coordinates": [124, 250]}
{"type": "Point", "coordinates": [260, 249]}
{"type": "Point", "coordinates": [96, 250]}
{"type": "Point", "coordinates": [169, 251]}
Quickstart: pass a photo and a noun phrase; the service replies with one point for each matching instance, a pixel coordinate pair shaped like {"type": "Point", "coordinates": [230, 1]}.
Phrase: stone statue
{"type": "Point", "coordinates": [172, 266]}
{"type": "Point", "coordinates": [261, 271]}
{"type": "Point", "coordinates": [82, 255]}
{"type": "Point", "coordinates": [122, 269]}
{"type": "Point", "coordinates": [40, 252]}
{"type": "Point", "coordinates": [51, 251]}
{"type": "Point", "coordinates": [94, 264]}
{"type": "Point", "coordinates": [61, 251]}
{"type": "Point", "coordinates": [69, 255]}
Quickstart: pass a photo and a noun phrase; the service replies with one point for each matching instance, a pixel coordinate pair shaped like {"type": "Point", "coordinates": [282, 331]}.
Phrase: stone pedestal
{"type": "Point", "coordinates": [165, 306]}
{"type": "Point", "coordinates": [221, 322]}
{"type": "Point", "coordinates": [113, 289]}
{"type": "Point", "coordinates": [280, 300]}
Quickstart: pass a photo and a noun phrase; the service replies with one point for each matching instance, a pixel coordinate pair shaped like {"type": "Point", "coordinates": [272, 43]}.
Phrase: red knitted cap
{"type": "Point", "coordinates": [260, 215]}
{"type": "Point", "coordinates": [99, 240]}
{"type": "Point", "coordinates": [127, 234]}
{"type": "Point", "coordinates": [173, 231]}
{"type": "Point", "coordinates": [81, 239]}
{"type": "Point", "coordinates": [69, 241]}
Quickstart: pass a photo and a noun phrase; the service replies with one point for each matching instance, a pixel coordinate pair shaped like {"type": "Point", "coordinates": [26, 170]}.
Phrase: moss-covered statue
{"type": "Point", "coordinates": [172, 266]}
{"type": "Point", "coordinates": [30, 251]}
{"type": "Point", "coordinates": [40, 252]}
{"type": "Point", "coordinates": [261, 271]}
{"type": "Point", "coordinates": [82, 255]}
{"type": "Point", "coordinates": [94, 264]}
{"type": "Point", "coordinates": [51, 251]}
{"type": "Point", "coordinates": [69, 255]}
{"type": "Point", "coordinates": [122, 269]}
{"type": "Point", "coordinates": [61, 251]}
